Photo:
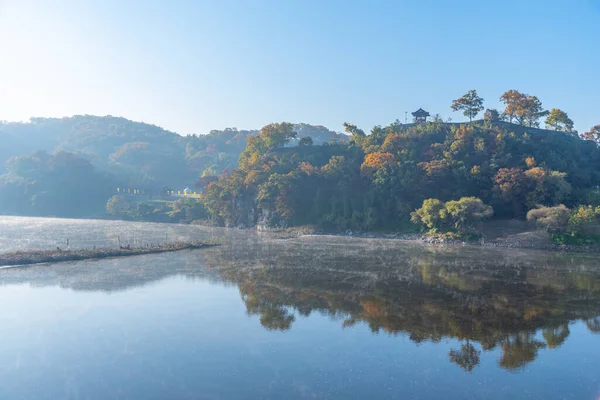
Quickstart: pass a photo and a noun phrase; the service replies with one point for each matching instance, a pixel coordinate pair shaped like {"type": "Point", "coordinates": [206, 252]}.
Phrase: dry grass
{"type": "Point", "coordinates": [58, 255]}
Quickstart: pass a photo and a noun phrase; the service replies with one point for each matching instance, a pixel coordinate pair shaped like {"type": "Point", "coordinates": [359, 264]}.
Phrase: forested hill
{"type": "Point", "coordinates": [70, 167]}
{"type": "Point", "coordinates": [139, 154]}
{"type": "Point", "coordinates": [376, 181]}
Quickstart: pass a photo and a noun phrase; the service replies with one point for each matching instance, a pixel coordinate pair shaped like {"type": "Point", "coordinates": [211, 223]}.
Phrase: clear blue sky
{"type": "Point", "coordinates": [192, 66]}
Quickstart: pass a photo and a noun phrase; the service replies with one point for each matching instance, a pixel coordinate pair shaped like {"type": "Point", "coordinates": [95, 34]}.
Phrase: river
{"type": "Point", "coordinates": [313, 317]}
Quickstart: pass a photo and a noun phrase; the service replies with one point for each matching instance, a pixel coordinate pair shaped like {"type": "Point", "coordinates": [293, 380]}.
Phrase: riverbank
{"type": "Point", "coordinates": [52, 256]}
{"type": "Point", "coordinates": [498, 234]}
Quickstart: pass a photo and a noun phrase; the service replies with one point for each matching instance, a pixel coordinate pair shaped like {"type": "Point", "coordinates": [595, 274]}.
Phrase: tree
{"type": "Point", "coordinates": [467, 211]}
{"type": "Point", "coordinates": [531, 112]}
{"type": "Point", "coordinates": [432, 215]}
{"type": "Point", "coordinates": [525, 109]}
{"type": "Point", "coordinates": [547, 187]}
{"type": "Point", "coordinates": [559, 121]}
{"type": "Point", "coordinates": [593, 134]}
{"type": "Point", "coordinates": [117, 206]}
{"type": "Point", "coordinates": [513, 100]}
{"type": "Point", "coordinates": [510, 188]}
{"type": "Point", "coordinates": [471, 104]}
{"type": "Point", "coordinates": [584, 219]}
{"type": "Point", "coordinates": [305, 141]}
{"type": "Point", "coordinates": [277, 135]}
{"type": "Point", "coordinates": [491, 115]}
{"type": "Point", "coordinates": [455, 216]}
{"type": "Point", "coordinates": [357, 135]}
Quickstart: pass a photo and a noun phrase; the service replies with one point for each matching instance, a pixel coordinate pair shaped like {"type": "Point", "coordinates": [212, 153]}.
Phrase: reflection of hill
{"type": "Point", "coordinates": [490, 297]}
{"type": "Point", "coordinates": [515, 301]}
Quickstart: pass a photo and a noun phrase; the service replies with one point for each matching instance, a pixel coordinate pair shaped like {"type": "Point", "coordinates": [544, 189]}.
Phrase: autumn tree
{"type": "Point", "coordinates": [510, 188]}
{"type": "Point", "coordinates": [525, 109]}
{"type": "Point", "coordinates": [470, 104]}
{"type": "Point", "coordinates": [559, 121]}
{"type": "Point", "coordinates": [593, 134]}
{"type": "Point", "coordinates": [547, 187]}
{"type": "Point", "coordinates": [513, 100]}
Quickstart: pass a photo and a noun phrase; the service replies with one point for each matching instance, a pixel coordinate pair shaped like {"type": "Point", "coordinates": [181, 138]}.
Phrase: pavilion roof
{"type": "Point", "coordinates": [420, 113]}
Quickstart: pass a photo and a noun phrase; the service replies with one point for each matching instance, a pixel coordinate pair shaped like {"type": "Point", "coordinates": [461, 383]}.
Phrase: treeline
{"type": "Point", "coordinates": [376, 181]}
{"type": "Point", "coordinates": [115, 153]}
{"type": "Point", "coordinates": [142, 155]}
{"type": "Point", "coordinates": [61, 184]}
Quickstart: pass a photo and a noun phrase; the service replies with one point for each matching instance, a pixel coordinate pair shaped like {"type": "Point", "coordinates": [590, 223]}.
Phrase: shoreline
{"type": "Point", "coordinates": [32, 257]}
{"type": "Point", "coordinates": [439, 242]}
{"type": "Point", "coordinates": [516, 240]}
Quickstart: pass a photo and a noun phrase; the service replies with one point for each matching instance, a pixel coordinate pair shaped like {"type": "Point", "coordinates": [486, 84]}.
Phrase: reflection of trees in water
{"type": "Point", "coordinates": [467, 357]}
{"type": "Point", "coordinates": [519, 350]}
{"type": "Point", "coordinates": [272, 316]}
{"type": "Point", "coordinates": [555, 337]}
{"type": "Point", "coordinates": [593, 324]}
{"type": "Point", "coordinates": [493, 299]}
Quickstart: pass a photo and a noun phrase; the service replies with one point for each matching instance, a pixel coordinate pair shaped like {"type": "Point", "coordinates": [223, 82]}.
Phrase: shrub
{"type": "Point", "coordinates": [456, 216]}
{"type": "Point", "coordinates": [432, 215]}
{"type": "Point", "coordinates": [466, 212]}
{"type": "Point", "coordinates": [553, 219]}
{"type": "Point", "coordinates": [583, 220]}
{"type": "Point", "coordinates": [579, 226]}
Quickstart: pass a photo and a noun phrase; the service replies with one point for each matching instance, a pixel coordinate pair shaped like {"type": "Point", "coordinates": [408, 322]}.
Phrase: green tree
{"type": "Point", "coordinates": [305, 141]}
{"type": "Point", "coordinates": [466, 212]}
{"type": "Point", "coordinates": [455, 216]}
{"type": "Point", "coordinates": [584, 220]}
{"type": "Point", "coordinates": [531, 112]}
{"type": "Point", "coordinates": [432, 215]}
{"type": "Point", "coordinates": [470, 104]}
{"type": "Point", "coordinates": [491, 115]}
{"type": "Point", "coordinates": [117, 206]}
{"type": "Point", "coordinates": [559, 121]}
{"type": "Point", "coordinates": [357, 135]}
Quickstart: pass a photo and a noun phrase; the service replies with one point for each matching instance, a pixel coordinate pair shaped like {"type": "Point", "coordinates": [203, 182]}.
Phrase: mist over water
{"type": "Point", "coordinates": [307, 317]}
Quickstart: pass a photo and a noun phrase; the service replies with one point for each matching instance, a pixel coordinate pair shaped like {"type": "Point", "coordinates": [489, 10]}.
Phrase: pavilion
{"type": "Point", "coordinates": [420, 116]}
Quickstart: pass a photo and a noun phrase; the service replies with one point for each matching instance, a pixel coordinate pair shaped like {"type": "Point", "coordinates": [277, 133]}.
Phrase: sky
{"type": "Point", "coordinates": [193, 66]}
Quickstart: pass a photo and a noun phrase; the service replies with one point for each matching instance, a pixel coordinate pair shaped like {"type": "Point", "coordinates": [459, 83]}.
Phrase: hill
{"type": "Point", "coordinates": [377, 180]}
{"type": "Point", "coordinates": [106, 153]}
{"type": "Point", "coordinates": [143, 155]}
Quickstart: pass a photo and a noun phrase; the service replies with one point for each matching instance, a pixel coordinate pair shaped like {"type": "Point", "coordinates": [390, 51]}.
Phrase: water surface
{"type": "Point", "coordinates": [310, 317]}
